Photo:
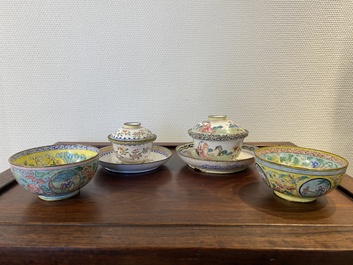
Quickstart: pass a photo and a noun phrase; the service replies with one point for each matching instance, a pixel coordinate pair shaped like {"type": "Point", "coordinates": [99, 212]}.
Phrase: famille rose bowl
{"type": "Point", "coordinates": [218, 138]}
{"type": "Point", "coordinates": [299, 174]}
{"type": "Point", "coordinates": [55, 172]}
{"type": "Point", "coordinates": [188, 154]}
{"type": "Point", "coordinates": [132, 143]}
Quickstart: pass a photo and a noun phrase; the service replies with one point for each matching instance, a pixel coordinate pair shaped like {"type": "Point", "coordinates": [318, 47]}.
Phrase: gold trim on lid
{"type": "Point", "coordinates": [217, 117]}
{"type": "Point", "coordinates": [132, 125]}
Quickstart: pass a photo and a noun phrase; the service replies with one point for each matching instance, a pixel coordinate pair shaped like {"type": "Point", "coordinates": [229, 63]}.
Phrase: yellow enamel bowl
{"type": "Point", "coordinates": [299, 174]}
{"type": "Point", "coordinates": [55, 172]}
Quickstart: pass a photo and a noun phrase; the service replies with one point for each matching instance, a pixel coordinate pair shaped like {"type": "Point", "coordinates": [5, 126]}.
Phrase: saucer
{"type": "Point", "coordinates": [188, 154]}
{"type": "Point", "coordinates": [107, 159]}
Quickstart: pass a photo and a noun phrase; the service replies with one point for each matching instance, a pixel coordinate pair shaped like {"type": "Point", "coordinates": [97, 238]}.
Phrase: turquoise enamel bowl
{"type": "Point", "coordinates": [55, 172]}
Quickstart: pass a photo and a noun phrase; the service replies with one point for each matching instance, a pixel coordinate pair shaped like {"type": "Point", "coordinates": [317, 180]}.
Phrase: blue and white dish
{"type": "Point", "coordinates": [158, 156]}
{"type": "Point", "coordinates": [188, 154]}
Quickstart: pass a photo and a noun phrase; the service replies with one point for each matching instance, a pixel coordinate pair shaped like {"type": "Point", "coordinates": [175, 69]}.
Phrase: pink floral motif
{"type": "Point", "coordinates": [127, 132]}
{"type": "Point", "coordinates": [135, 154]}
{"type": "Point", "coordinates": [88, 172]}
{"type": "Point", "coordinates": [139, 133]}
{"type": "Point", "coordinates": [206, 127]}
{"type": "Point", "coordinates": [122, 150]}
{"type": "Point", "coordinates": [37, 180]}
{"type": "Point", "coordinates": [35, 188]}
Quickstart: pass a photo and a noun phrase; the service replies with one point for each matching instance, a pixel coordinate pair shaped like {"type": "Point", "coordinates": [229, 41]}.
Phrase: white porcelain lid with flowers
{"type": "Point", "coordinates": [218, 128]}
{"type": "Point", "coordinates": [132, 132]}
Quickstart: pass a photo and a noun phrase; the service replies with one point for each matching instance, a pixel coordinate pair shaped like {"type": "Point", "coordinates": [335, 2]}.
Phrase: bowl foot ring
{"type": "Point", "coordinates": [293, 198]}
{"type": "Point", "coordinates": [58, 197]}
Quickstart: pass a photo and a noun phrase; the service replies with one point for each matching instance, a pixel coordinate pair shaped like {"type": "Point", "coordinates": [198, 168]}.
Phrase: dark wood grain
{"type": "Point", "coordinates": [6, 178]}
{"type": "Point", "coordinates": [175, 215]}
{"type": "Point", "coordinates": [346, 186]}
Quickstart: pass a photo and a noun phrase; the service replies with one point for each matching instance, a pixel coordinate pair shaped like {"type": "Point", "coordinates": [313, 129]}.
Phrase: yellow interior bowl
{"type": "Point", "coordinates": [49, 158]}
{"type": "Point", "coordinates": [299, 174]}
{"type": "Point", "coordinates": [55, 172]}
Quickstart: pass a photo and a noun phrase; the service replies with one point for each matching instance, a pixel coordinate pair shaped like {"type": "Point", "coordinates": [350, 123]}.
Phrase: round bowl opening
{"type": "Point", "coordinates": [132, 125]}
{"type": "Point", "coordinates": [217, 117]}
{"type": "Point", "coordinates": [53, 156]}
{"type": "Point", "coordinates": [301, 158]}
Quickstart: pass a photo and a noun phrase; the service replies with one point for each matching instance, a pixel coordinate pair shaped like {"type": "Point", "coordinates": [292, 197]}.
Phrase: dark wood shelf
{"type": "Point", "coordinates": [175, 215]}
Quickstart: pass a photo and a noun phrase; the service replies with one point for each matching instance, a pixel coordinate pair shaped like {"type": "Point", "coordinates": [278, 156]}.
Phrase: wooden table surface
{"type": "Point", "coordinates": [175, 215]}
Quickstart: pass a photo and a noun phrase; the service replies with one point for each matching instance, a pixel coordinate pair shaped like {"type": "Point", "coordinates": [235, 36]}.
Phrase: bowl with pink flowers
{"type": "Point", "coordinates": [132, 143]}
{"type": "Point", "coordinates": [218, 138]}
{"type": "Point", "coordinates": [55, 172]}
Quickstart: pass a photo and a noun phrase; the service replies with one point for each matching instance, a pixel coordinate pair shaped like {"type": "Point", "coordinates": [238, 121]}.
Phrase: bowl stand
{"type": "Point", "coordinates": [293, 198]}
{"type": "Point", "coordinates": [59, 197]}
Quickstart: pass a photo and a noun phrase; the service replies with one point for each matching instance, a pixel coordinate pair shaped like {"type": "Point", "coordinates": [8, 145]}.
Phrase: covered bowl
{"type": "Point", "coordinates": [132, 143]}
{"type": "Point", "coordinates": [218, 138]}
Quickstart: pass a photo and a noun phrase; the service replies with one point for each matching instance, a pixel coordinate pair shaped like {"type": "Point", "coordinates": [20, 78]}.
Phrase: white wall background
{"type": "Point", "coordinates": [76, 70]}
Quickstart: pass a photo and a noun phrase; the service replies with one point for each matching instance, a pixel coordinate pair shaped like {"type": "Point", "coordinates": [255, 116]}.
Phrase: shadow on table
{"type": "Point", "coordinates": [110, 181]}
{"type": "Point", "coordinates": [262, 198]}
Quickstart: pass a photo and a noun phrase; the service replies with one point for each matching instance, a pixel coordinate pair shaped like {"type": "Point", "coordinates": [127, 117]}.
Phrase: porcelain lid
{"type": "Point", "coordinates": [217, 128]}
{"type": "Point", "coordinates": [132, 132]}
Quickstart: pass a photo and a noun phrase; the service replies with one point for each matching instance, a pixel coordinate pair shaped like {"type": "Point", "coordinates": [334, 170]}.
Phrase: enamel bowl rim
{"type": "Point", "coordinates": [45, 148]}
{"type": "Point", "coordinates": [299, 168]}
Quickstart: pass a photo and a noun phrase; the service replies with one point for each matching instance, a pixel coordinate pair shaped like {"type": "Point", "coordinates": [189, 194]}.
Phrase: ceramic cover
{"type": "Point", "coordinates": [132, 132]}
{"type": "Point", "coordinates": [218, 128]}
